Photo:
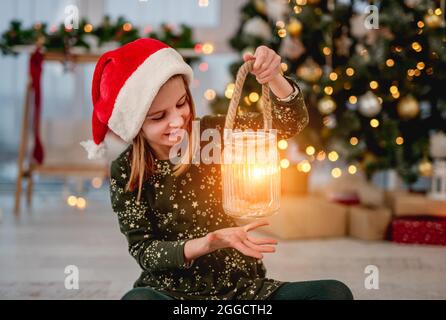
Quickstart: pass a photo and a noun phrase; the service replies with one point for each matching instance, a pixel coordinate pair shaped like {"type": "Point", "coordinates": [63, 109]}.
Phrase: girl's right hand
{"type": "Point", "coordinates": [238, 238]}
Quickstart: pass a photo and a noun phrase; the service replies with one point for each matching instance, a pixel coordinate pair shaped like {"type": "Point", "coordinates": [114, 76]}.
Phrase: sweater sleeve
{"type": "Point", "coordinates": [151, 253]}
{"type": "Point", "coordinates": [288, 117]}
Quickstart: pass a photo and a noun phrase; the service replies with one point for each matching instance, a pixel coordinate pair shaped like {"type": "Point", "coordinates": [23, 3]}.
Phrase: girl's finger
{"type": "Point", "coordinates": [265, 75]}
{"type": "Point", "coordinates": [260, 60]}
{"type": "Point", "coordinates": [262, 241]}
{"type": "Point", "coordinates": [269, 61]}
{"type": "Point", "coordinates": [259, 248]}
{"type": "Point", "coordinates": [255, 224]}
{"type": "Point", "coordinates": [265, 80]}
{"type": "Point", "coordinates": [240, 246]}
{"type": "Point", "coordinates": [247, 56]}
{"type": "Point", "coordinates": [271, 70]}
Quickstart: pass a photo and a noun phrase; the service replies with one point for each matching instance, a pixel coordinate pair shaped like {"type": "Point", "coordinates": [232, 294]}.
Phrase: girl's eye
{"type": "Point", "coordinates": [182, 104]}
{"type": "Point", "coordinates": [159, 118]}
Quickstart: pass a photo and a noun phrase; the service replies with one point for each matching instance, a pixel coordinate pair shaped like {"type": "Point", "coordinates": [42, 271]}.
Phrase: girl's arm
{"type": "Point", "coordinates": [288, 117]}
{"type": "Point", "coordinates": [149, 251]}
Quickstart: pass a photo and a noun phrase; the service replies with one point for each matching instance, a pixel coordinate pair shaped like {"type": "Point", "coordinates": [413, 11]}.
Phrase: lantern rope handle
{"type": "Point", "coordinates": [233, 105]}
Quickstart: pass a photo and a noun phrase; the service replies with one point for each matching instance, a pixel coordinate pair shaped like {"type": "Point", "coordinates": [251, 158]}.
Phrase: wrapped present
{"type": "Point", "coordinates": [293, 181]}
{"type": "Point", "coordinates": [367, 223]}
{"type": "Point", "coordinates": [412, 204]}
{"type": "Point", "coordinates": [419, 230]}
{"type": "Point", "coordinates": [307, 217]}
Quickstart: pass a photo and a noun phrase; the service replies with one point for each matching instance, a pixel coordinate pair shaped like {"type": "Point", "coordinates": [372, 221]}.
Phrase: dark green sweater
{"type": "Point", "coordinates": [173, 210]}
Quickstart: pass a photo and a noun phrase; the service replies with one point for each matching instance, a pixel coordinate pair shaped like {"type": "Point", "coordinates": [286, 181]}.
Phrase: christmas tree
{"type": "Point", "coordinates": [373, 75]}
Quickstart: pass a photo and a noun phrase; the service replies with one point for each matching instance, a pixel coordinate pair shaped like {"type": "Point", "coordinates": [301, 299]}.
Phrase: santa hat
{"type": "Point", "coordinates": [125, 83]}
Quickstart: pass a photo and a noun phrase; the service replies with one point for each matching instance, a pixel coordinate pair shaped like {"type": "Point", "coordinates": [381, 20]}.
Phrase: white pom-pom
{"type": "Point", "coordinates": [95, 151]}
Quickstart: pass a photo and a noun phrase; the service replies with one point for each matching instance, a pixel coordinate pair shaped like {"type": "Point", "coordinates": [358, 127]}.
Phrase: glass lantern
{"type": "Point", "coordinates": [250, 168]}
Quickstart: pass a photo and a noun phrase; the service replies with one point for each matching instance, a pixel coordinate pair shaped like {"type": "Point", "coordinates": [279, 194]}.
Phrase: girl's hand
{"type": "Point", "coordinates": [267, 64]}
{"type": "Point", "coordinates": [239, 239]}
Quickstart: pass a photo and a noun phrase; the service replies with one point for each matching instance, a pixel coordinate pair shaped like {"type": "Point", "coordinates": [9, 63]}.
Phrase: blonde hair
{"type": "Point", "coordinates": [142, 158]}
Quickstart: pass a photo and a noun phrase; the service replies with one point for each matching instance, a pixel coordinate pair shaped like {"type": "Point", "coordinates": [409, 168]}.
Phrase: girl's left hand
{"type": "Point", "coordinates": [267, 64]}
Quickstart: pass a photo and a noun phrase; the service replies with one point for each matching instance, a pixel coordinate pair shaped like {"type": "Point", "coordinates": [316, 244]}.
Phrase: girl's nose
{"type": "Point", "coordinates": [177, 120]}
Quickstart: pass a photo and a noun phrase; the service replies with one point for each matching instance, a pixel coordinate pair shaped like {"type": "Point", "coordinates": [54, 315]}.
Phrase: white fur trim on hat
{"type": "Point", "coordinates": [95, 151]}
{"type": "Point", "coordinates": [140, 89]}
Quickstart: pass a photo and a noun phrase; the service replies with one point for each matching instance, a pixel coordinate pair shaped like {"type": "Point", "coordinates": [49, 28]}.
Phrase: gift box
{"type": "Point", "coordinates": [307, 217]}
{"type": "Point", "coordinates": [293, 182]}
{"type": "Point", "coordinates": [367, 223]}
{"type": "Point", "coordinates": [412, 204]}
{"type": "Point", "coordinates": [419, 230]}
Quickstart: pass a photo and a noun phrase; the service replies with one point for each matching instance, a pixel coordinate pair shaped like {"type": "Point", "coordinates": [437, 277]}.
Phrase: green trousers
{"type": "Point", "coordinates": [304, 290]}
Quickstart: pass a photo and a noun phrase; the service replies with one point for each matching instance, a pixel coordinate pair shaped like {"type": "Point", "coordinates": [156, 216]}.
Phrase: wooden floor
{"type": "Point", "coordinates": [36, 248]}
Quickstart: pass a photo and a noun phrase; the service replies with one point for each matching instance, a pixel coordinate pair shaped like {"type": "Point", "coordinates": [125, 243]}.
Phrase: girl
{"type": "Point", "coordinates": [171, 214]}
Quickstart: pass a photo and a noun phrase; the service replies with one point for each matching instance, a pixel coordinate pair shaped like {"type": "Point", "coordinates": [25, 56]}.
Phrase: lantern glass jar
{"type": "Point", "coordinates": [251, 174]}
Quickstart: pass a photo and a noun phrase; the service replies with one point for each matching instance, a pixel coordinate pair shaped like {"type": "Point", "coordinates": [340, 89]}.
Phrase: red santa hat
{"type": "Point", "coordinates": [125, 83]}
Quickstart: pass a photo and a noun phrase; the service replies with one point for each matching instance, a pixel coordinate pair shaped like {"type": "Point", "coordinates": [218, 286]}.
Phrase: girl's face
{"type": "Point", "coordinates": [169, 112]}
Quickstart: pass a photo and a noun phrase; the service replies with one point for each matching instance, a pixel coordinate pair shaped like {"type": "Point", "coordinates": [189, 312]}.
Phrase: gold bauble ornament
{"type": "Point", "coordinates": [326, 105]}
{"type": "Point", "coordinates": [432, 20]}
{"type": "Point", "coordinates": [295, 28]}
{"type": "Point", "coordinates": [260, 6]}
{"type": "Point", "coordinates": [425, 168]}
{"type": "Point", "coordinates": [309, 71]}
{"type": "Point", "coordinates": [408, 107]}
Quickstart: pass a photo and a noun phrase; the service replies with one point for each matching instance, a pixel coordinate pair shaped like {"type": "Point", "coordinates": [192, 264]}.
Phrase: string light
{"type": "Point", "coordinates": [96, 182]}
{"type": "Point", "coordinates": [416, 46]}
{"type": "Point", "coordinates": [333, 76]}
{"type": "Point", "coordinates": [328, 90]}
{"type": "Point", "coordinates": [333, 156]}
{"type": "Point", "coordinates": [393, 89]}
{"type": "Point", "coordinates": [127, 27]}
{"type": "Point", "coordinates": [320, 156]}
{"type": "Point", "coordinates": [420, 65]}
{"type": "Point", "coordinates": [81, 203]}
{"type": "Point", "coordinates": [284, 163]}
{"type": "Point", "coordinates": [282, 144]}
{"type": "Point", "coordinates": [374, 123]}
{"type": "Point", "coordinates": [304, 166]}
{"type": "Point", "coordinates": [354, 141]}
{"type": "Point", "coordinates": [284, 66]}
{"type": "Point", "coordinates": [254, 97]}
{"type": "Point", "coordinates": [420, 24]}
{"type": "Point", "coordinates": [229, 90]}
{"type": "Point", "coordinates": [203, 3]}
{"type": "Point", "coordinates": [352, 169]}
{"type": "Point", "coordinates": [88, 28]}
{"type": "Point", "coordinates": [326, 51]}
{"type": "Point", "coordinates": [399, 140]}
{"type": "Point", "coordinates": [72, 200]}
{"type": "Point", "coordinates": [390, 63]}
{"type": "Point", "coordinates": [282, 33]}
{"type": "Point", "coordinates": [198, 48]}
{"type": "Point", "coordinates": [310, 150]}
{"type": "Point", "coordinates": [209, 94]}
{"type": "Point", "coordinates": [280, 24]}
{"type": "Point", "coordinates": [373, 84]}
{"type": "Point", "coordinates": [352, 99]}
{"type": "Point", "coordinates": [207, 48]}
{"type": "Point", "coordinates": [297, 9]}
{"type": "Point", "coordinates": [350, 71]}
{"type": "Point", "coordinates": [336, 172]}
